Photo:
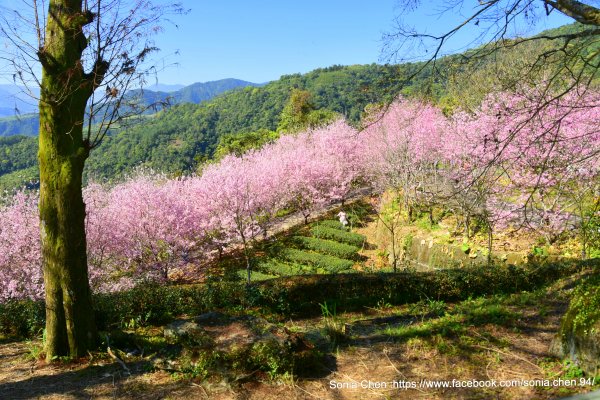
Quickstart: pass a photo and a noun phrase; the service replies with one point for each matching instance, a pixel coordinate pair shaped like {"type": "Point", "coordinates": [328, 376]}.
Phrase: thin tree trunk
{"type": "Point", "coordinates": [247, 264]}
{"type": "Point", "coordinates": [246, 256]}
{"type": "Point", "coordinates": [490, 242]}
{"type": "Point", "coordinates": [394, 258]}
{"type": "Point", "coordinates": [468, 226]}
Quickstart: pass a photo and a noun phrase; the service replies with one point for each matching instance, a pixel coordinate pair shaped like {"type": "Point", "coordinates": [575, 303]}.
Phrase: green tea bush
{"type": "Point", "coordinates": [303, 295]}
{"type": "Point", "coordinates": [254, 275]}
{"type": "Point", "coordinates": [159, 304]}
{"type": "Point", "coordinates": [22, 318]}
{"type": "Point", "coordinates": [330, 223]}
{"type": "Point", "coordinates": [327, 263]}
{"type": "Point", "coordinates": [338, 235]}
{"type": "Point", "coordinates": [330, 247]}
{"type": "Point", "coordinates": [284, 269]}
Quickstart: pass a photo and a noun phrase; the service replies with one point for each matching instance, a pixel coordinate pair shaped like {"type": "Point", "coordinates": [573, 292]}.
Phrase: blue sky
{"type": "Point", "coordinates": [260, 40]}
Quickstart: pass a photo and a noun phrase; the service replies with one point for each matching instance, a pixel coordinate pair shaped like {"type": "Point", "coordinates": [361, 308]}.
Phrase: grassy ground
{"type": "Point", "coordinates": [493, 338]}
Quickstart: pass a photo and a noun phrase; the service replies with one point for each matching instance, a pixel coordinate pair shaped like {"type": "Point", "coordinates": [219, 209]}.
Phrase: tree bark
{"type": "Point", "coordinates": [65, 89]}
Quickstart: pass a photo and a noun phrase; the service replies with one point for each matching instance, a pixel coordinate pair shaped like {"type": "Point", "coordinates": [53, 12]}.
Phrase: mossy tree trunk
{"type": "Point", "coordinates": [65, 90]}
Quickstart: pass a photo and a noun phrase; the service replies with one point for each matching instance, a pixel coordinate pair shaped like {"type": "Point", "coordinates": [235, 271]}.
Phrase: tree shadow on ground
{"type": "Point", "coordinates": [80, 383]}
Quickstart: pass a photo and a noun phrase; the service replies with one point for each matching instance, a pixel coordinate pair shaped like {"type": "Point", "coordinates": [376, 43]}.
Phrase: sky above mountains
{"type": "Point", "coordinates": [261, 40]}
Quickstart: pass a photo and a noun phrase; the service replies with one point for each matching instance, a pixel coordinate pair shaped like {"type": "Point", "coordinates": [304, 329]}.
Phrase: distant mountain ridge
{"type": "Point", "coordinates": [13, 98]}
{"type": "Point", "coordinates": [194, 93]}
{"type": "Point", "coordinates": [164, 87]}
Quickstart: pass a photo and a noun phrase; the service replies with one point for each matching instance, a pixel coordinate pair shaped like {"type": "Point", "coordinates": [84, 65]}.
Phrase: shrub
{"type": "Point", "coordinates": [338, 235]}
{"type": "Point", "coordinates": [23, 318]}
{"type": "Point", "coordinates": [254, 275]}
{"type": "Point", "coordinates": [324, 262]}
{"type": "Point", "coordinates": [329, 247]}
{"type": "Point", "coordinates": [284, 269]}
{"type": "Point", "coordinates": [584, 309]}
{"type": "Point", "coordinates": [304, 294]}
{"type": "Point", "coordinates": [157, 304]}
{"type": "Point", "coordinates": [298, 295]}
{"type": "Point", "coordinates": [330, 223]}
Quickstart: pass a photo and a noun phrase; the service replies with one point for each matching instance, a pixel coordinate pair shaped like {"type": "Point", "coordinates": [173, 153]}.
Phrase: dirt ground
{"type": "Point", "coordinates": [514, 350]}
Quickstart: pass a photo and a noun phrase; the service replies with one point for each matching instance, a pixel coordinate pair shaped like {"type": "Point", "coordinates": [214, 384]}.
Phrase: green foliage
{"type": "Point", "coordinates": [333, 327]}
{"type": "Point", "coordinates": [238, 144]}
{"type": "Point", "coordinates": [27, 124]}
{"type": "Point", "coordinates": [591, 228]}
{"type": "Point", "coordinates": [18, 162]}
{"type": "Point", "coordinates": [407, 243]}
{"type": "Point", "coordinates": [155, 304]}
{"type": "Point", "coordinates": [360, 213]}
{"type": "Point", "coordinates": [436, 307]}
{"type": "Point", "coordinates": [424, 222]}
{"type": "Point", "coordinates": [36, 351]}
{"type": "Point", "coordinates": [17, 152]}
{"type": "Point", "coordinates": [354, 291]}
{"type": "Point", "coordinates": [302, 295]}
{"type": "Point", "coordinates": [584, 310]}
{"type": "Point", "coordinates": [255, 276]}
{"type": "Point", "coordinates": [276, 359]}
{"type": "Point", "coordinates": [280, 268]}
{"type": "Point", "coordinates": [300, 114]}
{"type": "Point", "coordinates": [329, 247]}
{"type": "Point", "coordinates": [479, 311]}
{"type": "Point", "coordinates": [331, 223]}
{"type": "Point", "coordinates": [324, 232]}
{"type": "Point", "coordinates": [572, 370]}
{"type": "Point", "coordinates": [465, 248]}
{"type": "Point", "coordinates": [23, 178]}
{"type": "Point", "coordinates": [176, 140]}
{"type": "Point", "coordinates": [22, 318]}
{"type": "Point", "coordinates": [539, 251]}
{"type": "Point", "coordinates": [323, 263]}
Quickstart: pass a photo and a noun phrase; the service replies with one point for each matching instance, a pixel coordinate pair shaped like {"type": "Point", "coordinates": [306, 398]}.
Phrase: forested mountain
{"type": "Point", "coordinates": [175, 140]}
{"type": "Point", "coordinates": [194, 93]}
{"type": "Point", "coordinates": [24, 124]}
{"type": "Point", "coordinates": [12, 97]}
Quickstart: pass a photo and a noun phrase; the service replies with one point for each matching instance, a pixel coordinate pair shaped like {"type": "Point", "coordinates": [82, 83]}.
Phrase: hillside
{"type": "Point", "coordinates": [176, 139]}
{"type": "Point", "coordinates": [195, 93]}
{"type": "Point", "coordinates": [26, 122]}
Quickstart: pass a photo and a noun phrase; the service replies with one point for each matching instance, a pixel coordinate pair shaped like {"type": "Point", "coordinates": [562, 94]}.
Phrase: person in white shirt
{"type": "Point", "coordinates": [343, 218]}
